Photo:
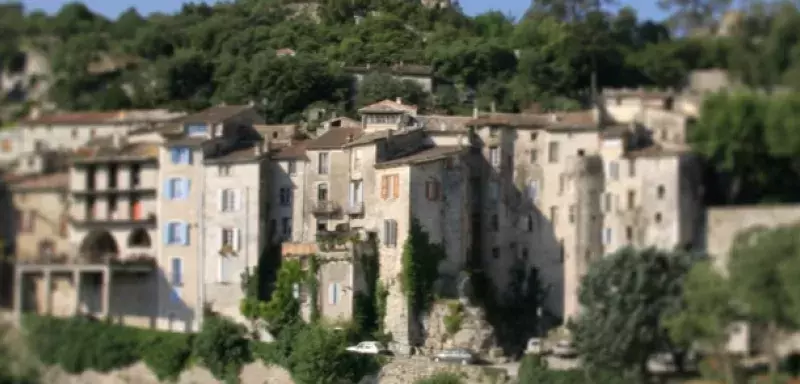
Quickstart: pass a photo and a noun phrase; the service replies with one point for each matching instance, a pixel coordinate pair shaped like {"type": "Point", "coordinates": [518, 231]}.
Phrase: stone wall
{"type": "Point", "coordinates": [406, 371]}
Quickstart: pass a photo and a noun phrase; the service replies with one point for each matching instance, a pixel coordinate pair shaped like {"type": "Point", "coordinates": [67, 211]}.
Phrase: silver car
{"type": "Point", "coordinates": [456, 355]}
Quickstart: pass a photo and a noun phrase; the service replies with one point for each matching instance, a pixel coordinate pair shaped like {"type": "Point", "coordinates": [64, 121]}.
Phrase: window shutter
{"type": "Point", "coordinates": [386, 232]}
{"type": "Point", "coordinates": [220, 199]}
{"type": "Point", "coordinates": [175, 155]}
{"type": "Point", "coordinates": [166, 189]}
{"type": "Point", "coordinates": [396, 186]}
{"type": "Point", "coordinates": [384, 187]}
{"type": "Point", "coordinates": [185, 239]}
{"type": "Point", "coordinates": [393, 232]}
{"type": "Point", "coordinates": [188, 155]}
{"type": "Point", "coordinates": [237, 199]}
{"type": "Point", "coordinates": [186, 184]}
{"type": "Point", "coordinates": [236, 240]}
{"type": "Point", "coordinates": [165, 234]}
{"type": "Point", "coordinates": [331, 294]}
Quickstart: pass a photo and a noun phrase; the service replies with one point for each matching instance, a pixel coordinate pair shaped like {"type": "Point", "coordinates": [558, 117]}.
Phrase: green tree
{"type": "Point", "coordinates": [379, 86]}
{"type": "Point", "coordinates": [756, 266]}
{"type": "Point", "coordinates": [221, 347]}
{"type": "Point", "coordinates": [321, 358]}
{"type": "Point", "coordinates": [688, 15]}
{"type": "Point", "coordinates": [623, 298]}
{"type": "Point", "coordinates": [706, 313]}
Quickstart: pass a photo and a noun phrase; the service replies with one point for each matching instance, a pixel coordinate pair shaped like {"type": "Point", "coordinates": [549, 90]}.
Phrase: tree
{"type": "Point", "coordinates": [623, 298]}
{"type": "Point", "coordinates": [688, 15]}
{"type": "Point", "coordinates": [760, 262]}
{"type": "Point", "coordinates": [321, 358]}
{"type": "Point", "coordinates": [222, 347]}
{"type": "Point", "coordinates": [379, 86]}
{"type": "Point", "coordinates": [706, 313]}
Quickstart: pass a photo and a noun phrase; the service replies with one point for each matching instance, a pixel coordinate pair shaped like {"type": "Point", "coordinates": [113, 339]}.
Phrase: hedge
{"type": "Point", "coordinates": [79, 344]}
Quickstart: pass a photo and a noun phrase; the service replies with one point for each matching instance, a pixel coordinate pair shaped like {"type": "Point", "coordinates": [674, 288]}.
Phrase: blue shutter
{"type": "Point", "coordinates": [188, 155]}
{"type": "Point", "coordinates": [177, 271]}
{"type": "Point", "coordinates": [165, 233]}
{"type": "Point", "coordinates": [167, 188]}
{"type": "Point", "coordinates": [186, 185]}
{"type": "Point", "coordinates": [185, 230]}
{"type": "Point", "coordinates": [175, 154]}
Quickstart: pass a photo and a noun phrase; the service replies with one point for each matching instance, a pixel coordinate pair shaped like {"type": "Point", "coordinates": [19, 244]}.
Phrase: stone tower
{"type": "Point", "coordinates": [587, 176]}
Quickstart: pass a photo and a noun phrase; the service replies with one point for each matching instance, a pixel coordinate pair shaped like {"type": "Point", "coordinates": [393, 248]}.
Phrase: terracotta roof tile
{"type": "Point", "coordinates": [426, 155]}
{"type": "Point", "coordinates": [655, 151]}
{"type": "Point", "coordinates": [74, 118]}
{"type": "Point", "coordinates": [296, 150]}
{"type": "Point", "coordinates": [214, 114]}
{"type": "Point", "coordinates": [335, 138]}
{"type": "Point", "coordinates": [388, 106]}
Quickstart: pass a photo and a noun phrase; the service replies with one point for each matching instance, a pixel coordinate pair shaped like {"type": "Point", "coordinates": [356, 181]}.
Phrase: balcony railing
{"type": "Point", "coordinates": [355, 208]}
{"type": "Point", "coordinates": [98, 221]}
{"type": "Point", "coordinates": [326, 207]}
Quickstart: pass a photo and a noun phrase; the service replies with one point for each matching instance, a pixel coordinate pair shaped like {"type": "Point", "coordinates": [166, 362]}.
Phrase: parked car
{"type": "Point", "coordinates": [536, 346]}
{"type": "Point", "coordinates": [368, 348]}
{"type": "Point", "coordinates": [456, 355]}
{"type": "Point", "coordinates": [564, 348]}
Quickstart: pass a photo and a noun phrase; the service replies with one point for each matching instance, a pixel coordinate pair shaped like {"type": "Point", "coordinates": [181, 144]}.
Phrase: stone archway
{"type": "Point", "coordinates": [98, 246]}
{"type": "Point", "coordinates": [139, 238]}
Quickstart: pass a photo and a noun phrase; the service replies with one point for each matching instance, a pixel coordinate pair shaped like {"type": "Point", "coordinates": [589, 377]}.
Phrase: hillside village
{"type": "Point", "coordinates": [282, 207]}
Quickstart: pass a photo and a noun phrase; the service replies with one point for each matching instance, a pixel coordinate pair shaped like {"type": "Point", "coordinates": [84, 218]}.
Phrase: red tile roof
{"type": "Point", "coordinates": [389, 106]}
{"type": "Point", "coordinates": [335, 138]}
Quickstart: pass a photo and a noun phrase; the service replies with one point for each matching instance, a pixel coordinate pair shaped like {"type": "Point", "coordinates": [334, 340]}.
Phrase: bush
{"type": "Point", "coordinates": [454, 317]}
{"type": "Point", "coordinates": [221, 347]}
{"type": "Point", "coordinates": [319, 357]}
{"type": "Point", "coordinates": [167, 354]}
{"type": "Point", "coordinates": [441, 378]}
{"type": "Point", "coordinates": [533, 370]}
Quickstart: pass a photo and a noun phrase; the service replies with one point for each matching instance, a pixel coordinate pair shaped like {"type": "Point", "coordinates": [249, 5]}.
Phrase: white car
{"type": "Point", "coordinates": [535, 346]}
{"type": "Point", "coordinates": [458, 355]}
{"type": "Point", "coordinates": [368, 348]}
{"type": "Point", "coordinates": [564, 348]}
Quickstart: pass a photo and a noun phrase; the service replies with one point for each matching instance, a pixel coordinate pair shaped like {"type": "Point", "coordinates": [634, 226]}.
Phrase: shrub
{"type": "Point", "coordinates": [441, 378]}
{"type": "Point", "coordinates": [454, 317]}
{"type": "Point", "coordinates": [319, 357]}
{"type": "Point", "coordinates": [533, 370]}
{"type": "Point", "coordinates": [167, 354]}
{"type": "Point", "coordinates": [221, 347]}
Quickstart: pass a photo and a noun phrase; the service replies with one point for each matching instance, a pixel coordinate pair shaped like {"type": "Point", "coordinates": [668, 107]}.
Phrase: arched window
{"type": "Point", "coordinates": [139, 238]}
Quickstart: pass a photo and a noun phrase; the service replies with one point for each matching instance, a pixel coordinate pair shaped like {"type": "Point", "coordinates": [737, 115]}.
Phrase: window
{"type": "Point", "coordinates": [660, 191]}
{"type": "Point", "coordinates": [176, 188]}
{"type": "Point", "coordinates": [494, 222]}
{"type": "Point", "coordinates": [658, 218]}
{"type": "Point", "coordinates": [74, 133]}
{"type": "Point", "coordinates": [291, 167]}
{"type": "Point", "coordinates": [333, 293]}
{"type": "Point", "coordinates": [356, 192]}
{"type": "Point", "coordinates": [176, 272]}
{"type": "Point", "coordinates": [613, 170]}
{"type": "Point", "coordinates": [562, 183]}
{"type": "Point", "coordinates": [229, 200]}
{"type": "Point", "coordinates": [631, 199]}
{"type": "Point", "coordinates": [607, 236]}
{"type": "Point", "coordinates": [322, 225]}
{"type": "Point", "coordinates": [561, 250]}
{"type": "Point", "coordinates": [181, 155]}
{"type": "Point", "coordinates": [534, 156]}
{"type": "Point", "coordinates": [494, 156]}
{"type": "Point", "coordinates": [390, 186]}
{"type": "Point", "coordinates": [177, 233]}
{"type": "Point", "coordinates": [632, 167]}
{"type": "Point", "coordinates": [629, 234]}
{"type": "Point", "coordinates": [581, 152]}
{"type": "Point", "coordinates": [285, 196]}
{"type": "Point", "coordinates": [93, 133]}
{"type": "Point", "coordinates": [322, 163]}
{"type": "Point", "coordinates": [322, 192]}
{"type": "Point", "coordinates": [554, 215]}
{"type": "Point", "coordinates": [494, 191]}
{"type": "Point", "coordinates": [533, 190]}
{"type": "Point", "coordinates": [229, 237]}
{"type": "Point", "coordinates": [552, 152]}
{"type": "Point", "coordinates": [224, 170]}
{"type": "Point", "coordinates": [530, 223]}
{"type": "Point", "coordinates": [495, 253]}
{"type": "Point", "coordinates": [286, 226]}
{"type": "Point", "coordinates": [389, 233]}
{"type": "Point", "coordinates": [493, 131]}
{"type": "Point", "coordinates": [571, 214]}
{"type": "Point", "coordinates": [524, 255]}
{"type": "Point", "coordinates": [196, 129]}
{"type": "Point", "coordinates": [29, 221]}
{"type": "Point", "coordinates": [432, 190]}
{"type": "Point", "coordinates": [534, 135]}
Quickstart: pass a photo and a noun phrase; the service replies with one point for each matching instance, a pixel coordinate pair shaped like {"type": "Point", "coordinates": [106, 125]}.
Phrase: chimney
{"type": "Point", "coordinates": [493, 107]}
{"type": "Point", "coordinates": [35, 113]}
{"type": "Point", "coordinates": [115, 141]}
{"type": "Point", "coordinates": [261, 148]}
{"type": "Point", "coordinates": [554, 118]}
{"type": "Point", "coordinates": [398, 100]}
{"type": "Point", "coordinates": [474, 112]}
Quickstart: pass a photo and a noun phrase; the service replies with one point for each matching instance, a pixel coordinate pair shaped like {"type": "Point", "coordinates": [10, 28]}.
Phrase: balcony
{"type": "Point", "coordinates": [325, 208]}
{"type": "Point", "coordinates": [355, 208]}
{"type": "Point", "coordinates": [91, 221]}
{"type": "Point", "coordinates": [332, 241]}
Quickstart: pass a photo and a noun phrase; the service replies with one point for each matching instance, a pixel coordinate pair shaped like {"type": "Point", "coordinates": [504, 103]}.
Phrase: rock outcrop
{"type": "Point", "coordinates": [406, 371]}
{"type": "Point", "coordinates": [474, 331]}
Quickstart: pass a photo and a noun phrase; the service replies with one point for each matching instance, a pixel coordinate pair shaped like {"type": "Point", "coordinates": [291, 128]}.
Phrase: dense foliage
{"type": "Point", "coordinates": [441, 378]}
{"type": "Point", "coordinates": [624, 297]}
{"type": "Point", "coordinates": [420, 267]}
{"type": "Point", "coordinates": [221, 347]}
{"type": "Point", "coordinates": [81, 344]}
{"type": "Point", "coordinates": [205, 54]}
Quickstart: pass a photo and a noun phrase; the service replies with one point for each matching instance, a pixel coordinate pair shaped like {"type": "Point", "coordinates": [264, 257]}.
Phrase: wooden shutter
{"type": "Point", "coordinates": [237, 240]}
{"type": "Point", "coordinates": [237, 199]}
{"type": "Point", "coordinates": [395, 186]}
{"type": "Point", "coordinates": [384, 187]}
{"type": "Point", "coordinates": [186, 229]}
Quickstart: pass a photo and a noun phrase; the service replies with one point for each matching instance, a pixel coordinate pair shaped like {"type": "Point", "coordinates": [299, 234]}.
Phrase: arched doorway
{"type": "Point", "coordinates": [98, 247]}
{"type": "Point", "coordinates": [139, 239]}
